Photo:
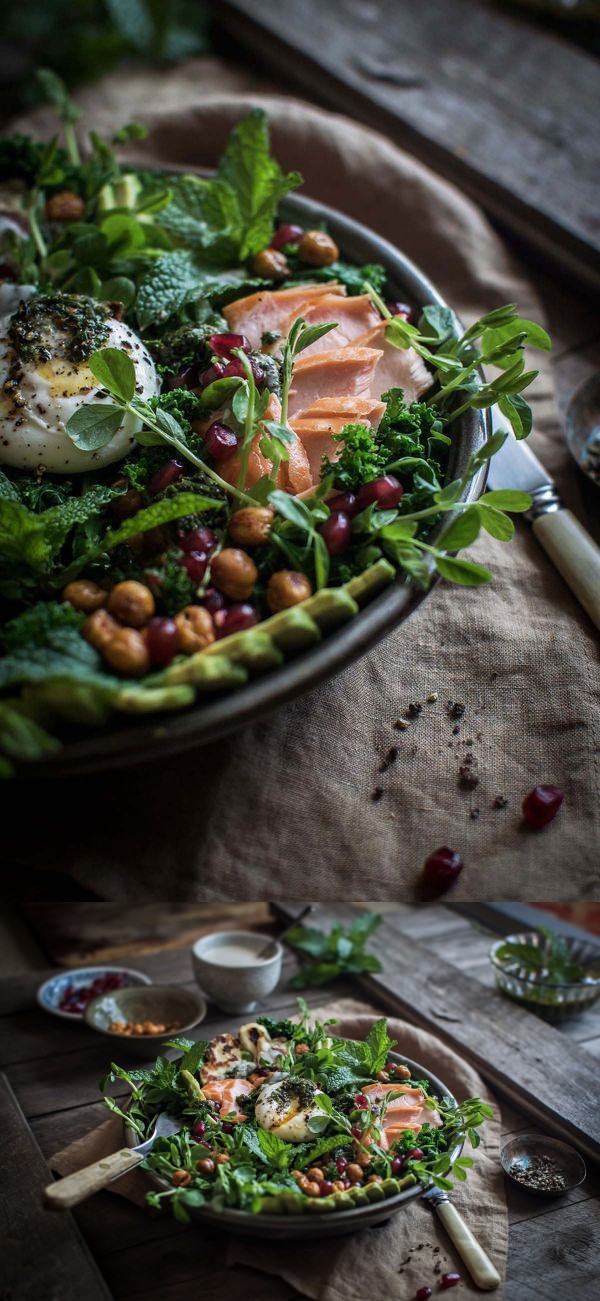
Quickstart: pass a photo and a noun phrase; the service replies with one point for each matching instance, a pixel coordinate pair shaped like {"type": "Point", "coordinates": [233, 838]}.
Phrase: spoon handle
{"type": "Point", "coordinates": [480, 1267]}
{"type": "Point", "coordinates": [76, 1187]}
{"type": "Point", "coordinates": [575, 555]}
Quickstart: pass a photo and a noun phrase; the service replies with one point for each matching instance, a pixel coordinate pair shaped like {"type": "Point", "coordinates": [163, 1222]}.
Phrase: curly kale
{"type": "Point", "coordinates": [404, 430]}
{"type": "Point", "coordinates": [361, 458]}
{"type": "Point", "coordinates": [181, 403]}
{"type": "Point", "coordinates": [188, 345]}
{"type": "Point", "coordinates": [170, 583]}
{"type": "Point", "coordinates": [278, 1029]}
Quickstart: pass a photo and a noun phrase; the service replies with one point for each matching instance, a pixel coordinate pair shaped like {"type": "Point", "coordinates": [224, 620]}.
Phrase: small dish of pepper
{"type": "Point", "coordinates": [543, 1166]}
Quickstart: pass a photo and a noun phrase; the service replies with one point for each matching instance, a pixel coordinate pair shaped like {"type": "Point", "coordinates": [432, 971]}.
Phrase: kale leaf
{"type": "Point", "coordinates": [360, 460]}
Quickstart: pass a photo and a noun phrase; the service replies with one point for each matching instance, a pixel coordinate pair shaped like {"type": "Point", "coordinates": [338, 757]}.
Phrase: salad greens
{"type": "Point", "coordinates": [352, 1150]}
{"type": "Point", "coordinates": [155, 259]}
{"type": "Point", "coordinates": [551, 961]}
{"type": "Point", "coordinates": [326, 956]}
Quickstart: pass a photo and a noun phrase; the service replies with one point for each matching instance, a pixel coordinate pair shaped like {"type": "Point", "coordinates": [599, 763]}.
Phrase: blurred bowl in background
{"type": "Point", "coordinates": [228, 968]}
{"type": "Point", "coordinates": [157, 1005]}
{"type": "Point", "coordinates": [68, 993]}
{"type": "Point", "coordinates": [539, 991]}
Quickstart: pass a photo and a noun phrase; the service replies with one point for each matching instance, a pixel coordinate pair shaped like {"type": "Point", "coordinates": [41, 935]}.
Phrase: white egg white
{"type": "Point", "coordinates": [33, 419]}
{"type": "Point", "coordinates": [285, 1105]}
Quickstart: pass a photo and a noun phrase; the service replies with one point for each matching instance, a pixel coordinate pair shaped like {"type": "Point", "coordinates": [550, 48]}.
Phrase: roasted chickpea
{"type": "Point", "coordinates": [132, 603]}
{"type": "Point", "coordinates": [301, 1049]}
{"type": "Point", "coordinates": [312, 1189]}
{"type": "Point", "coordinates": [127, 653]}
{"type": "Point", "coordinates": [318, 249]}
{"type": "Point", "coordinates": [339, 1186]}
{"type": "Point", "coordinates": [400, 1073]}
{"type": "Point", "coordinates": [84, 595]}
{"type": "Point", "coordinates": [363, 1160]}
{"type": "Point", "coordinates": [99, 628]}
{"type": "Point", "coordinates": [181, 1178]}
{"type": "Point", "coordinates": [234, 573]}
{"type": "Point", "coordinates": [315, 1174]}
{"type": "Point", "coordinates": [127, 503]}
{"type": "Point", "coordinates": [270, 265]}
{"type": "Point", "coordinates": [251, 525]}
{"type": "Point", "coordinates": [287, 588]}
{"type": "Point", "coordinates": [375, 1179]}
{"type": "Point", "coordinates": [297, 1175]}
{"type": "Point", "coordinates": [206, 1166]}
{"type": "Point", "coordinates": [383, 1077]}
{"type": "Point", "coordinates": [303, 1183]}
{"type": "Point", "coordinates": [222, 1158]}
{"type": "Point", "coordinates": [65, 206]}
{"type": "Point", "coordinates": [354, 1172]}
{"type": "Point", "coordinates": [195, 629]}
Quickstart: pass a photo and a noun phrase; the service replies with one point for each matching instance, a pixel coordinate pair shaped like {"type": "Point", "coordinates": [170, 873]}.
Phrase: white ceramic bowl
{"type": "Point", "coordinates": [50, 994]}
{"type": "Point", "coordinates": [236, 988]}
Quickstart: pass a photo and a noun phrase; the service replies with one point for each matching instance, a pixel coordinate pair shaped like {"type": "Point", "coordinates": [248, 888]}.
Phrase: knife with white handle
{"type": "Point", "coordinates": [569, 546]}
{"type": "Point", "coordinates": [480, 1267]}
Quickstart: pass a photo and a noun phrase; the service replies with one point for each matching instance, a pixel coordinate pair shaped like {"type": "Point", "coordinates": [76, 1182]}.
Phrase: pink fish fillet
{"type": "Point", "coordinates": [294, 474]}
{"type": "Point", "coordinates": [397, 367]}
{"type": "Point", "coordinates": [353, 316]}
{"type": "Point", "coordinates": [269, 310]}
{"type": "Point", "coordinates": [341, 372]}
{"type": "Point", "coordinates": [317, 424]}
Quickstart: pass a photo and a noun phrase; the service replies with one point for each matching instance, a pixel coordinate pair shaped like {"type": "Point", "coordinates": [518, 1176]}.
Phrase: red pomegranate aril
{"type": "Point", "coordinates": [199, 1129]}
{"type": "Point", "coordinates": [341, 1164]}
{"type": "Point", "coordinates": [286, 234]}
{"type": "Point", "coordinates": [236, 619]}
{"type": "Point", "coordinates": [162, 640]}
{"type": "Point", "coordinates": [211, 374]}
{"type": "Point", "coordinates": [360, 1100]}
{"type": "Point", "coordinates": [196, 564]}
{"type": "Point", "coordinates": [235, 370]}
{"type": "Point", "coordinates": [423, 1294]}
{"type": "Point", "coordinates": [220, 442]}
{"type": "Point", "coordinates": [227, 1127]}
{"type": "Point", "coordinates": [415, 1154]}
{"type": "Point", "coordinates": [186, 378]}
{"type": "Point", "coordinates": [400, 309]}
{"type": "Point", "coordinates": [449, 1280]}
{"type": "Point", "coordinates": [397, 1165]}
{"type": "Point", "coordinates": [223, 344]}
{"type": "Point", "coordinates": [325, 1187]}
{"type": "Point", "coordinates": [344, 501]}
{"type": "Point", "coordinates": [442, 868]}
{"type": "Point", "coordinates": [356, 1132]}
{"type": "Point", "coordinates": [198, 539]}
{"type": "Point", "coordinates": [541, 805]}
{"type": "Point", "coordinates": [337, 531]}
{"type": "Point", "coordinates": [169, 473]}
{"type": "Point", "coordinates": [385, 492]}
{"type": "Point", "coordinates": [213, 600]}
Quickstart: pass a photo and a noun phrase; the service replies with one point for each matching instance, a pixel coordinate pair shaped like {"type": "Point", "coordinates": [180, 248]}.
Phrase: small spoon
{"type": "Point", "coordinates": [269, 949]}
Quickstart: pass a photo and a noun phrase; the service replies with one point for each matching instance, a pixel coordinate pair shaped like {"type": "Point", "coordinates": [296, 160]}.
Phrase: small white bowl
{"type": "Point", "coordinates": [236, 988]}
{"type": "Point", "coordinates": [52, 991]}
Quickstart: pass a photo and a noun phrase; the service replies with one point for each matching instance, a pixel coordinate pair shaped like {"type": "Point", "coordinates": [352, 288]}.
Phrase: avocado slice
{"type": "Point", "coordinates": [358, 1196]}
{"type": "Point", "coordinates": [146, 700]}
{"type": "Point", "coordinates": [320, 1205]}
{"type": "Point", "coordinates": [363, 586]}
{"type": "Point", "coordinates": [207, 673]}
{"type": "Point", "coordinates": [330, 607]}
{"type": "Point", "coordinates": [292, 630]}
{"type": "Point", "coordinates": [77, 702]}
{"type": "Point", "coordinates": [254, 648]}
{"type": "Point", "coordinates": [374, 1193]}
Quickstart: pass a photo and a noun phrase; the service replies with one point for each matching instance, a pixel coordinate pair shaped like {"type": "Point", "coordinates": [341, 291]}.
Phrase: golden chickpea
{"type": "Point", "coordinates": [374, 1179]}
{"type": "Point", "coordinates": [206, 1166]}
{"type": "Point", "coordinates": [363, 1160]}
{"type": "Point", "coordinates": [312, 1189]}
{"type": "Point", "coordinates": [401, 1073]}
{"type": "Point", "coordinates": [318, 249]}
{"type": "Point", "coordinates": [234, 573]}
{"type": "Point", "coordinates": [127, 503]}
{"type": "Point", "coordinates": [354, 1172]}
{"type": "Point", "coordinates": [195, 629]}
{"type": "Point", "coordinates": [297, 1175]}
{"type": "Point", "coordinates": [222, 1158]}
{"type": "Point", "coordinates": [303, 1183]}
{"type": "Point", "coordinates": [339, 1186]}
{"type": "Point", "coordinates": [127, 653]}
{"type": "Point", "coordinates": [99, 628]}
{"type": "Point", "coordinates": [315, 1174]}
{"type": "Point", "coordinates": [132, 603]}
{"type": "Point", "coordinates": [270, 265]}
{"type": "Point", "coordinates": [181, 1178]}
{"type": "Point", "coordinates": [383, 1077]}
{"type": "Point", "coordinates": [251, 525]}
{"type": "Point", "coordinates": [65, 206]}
{"type": "Point", "coordinates": [301, 1049]}
{"type": "Point", "coordinates": [287, 588]}
{"type": "Point", "coordinates": [84, 595]}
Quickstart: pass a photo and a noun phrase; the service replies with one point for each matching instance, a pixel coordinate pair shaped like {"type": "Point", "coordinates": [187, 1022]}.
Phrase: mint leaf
{"type": "Point", "coordinates": [379, 1045]}
{"type": "Point", "coordinates": [93, 425]}
{"type": "Point", "coordinates": [256, 180]}
{"type": "Point", "coordinates": [161, 512]}
{"type": "Point", "coordinates": [115, 371]}
{"type": "Point", "coordinates": [276, 1152]}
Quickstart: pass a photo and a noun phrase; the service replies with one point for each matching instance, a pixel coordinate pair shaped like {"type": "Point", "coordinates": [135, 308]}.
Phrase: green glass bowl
{"type": "Point", "coordinates": [533, 989]}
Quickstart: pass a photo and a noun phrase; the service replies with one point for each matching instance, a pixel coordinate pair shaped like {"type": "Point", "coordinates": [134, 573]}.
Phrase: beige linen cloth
{"type": "Point", "coordinates": [285, 807]}
{"type": "Point", "coordinates": [409, 1251]}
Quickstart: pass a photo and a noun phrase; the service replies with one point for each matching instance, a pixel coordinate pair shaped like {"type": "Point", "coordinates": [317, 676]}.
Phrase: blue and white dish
{"type": "Point", "coordinates": [53, 990]}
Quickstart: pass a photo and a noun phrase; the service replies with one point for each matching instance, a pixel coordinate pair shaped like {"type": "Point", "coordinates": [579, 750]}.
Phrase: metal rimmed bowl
{"type": "Point", "coordinates": [149, 737]}
{"type": "Point", "coordinates": [532, 988]}
{"type": "Point", "coordinates": [526, 1147]}
{"type": "Point", "coordinates": [332, 1225]}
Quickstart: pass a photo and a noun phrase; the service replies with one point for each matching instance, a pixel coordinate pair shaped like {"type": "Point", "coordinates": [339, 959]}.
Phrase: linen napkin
{"type": "Point", "coordinates": [409, 1251]}
{"type": "Point", "coordinates": [287, 806]}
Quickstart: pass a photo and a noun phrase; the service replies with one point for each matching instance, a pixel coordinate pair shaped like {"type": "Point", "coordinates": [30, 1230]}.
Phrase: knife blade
{"type": "Point", "coordinates": [566, 542]}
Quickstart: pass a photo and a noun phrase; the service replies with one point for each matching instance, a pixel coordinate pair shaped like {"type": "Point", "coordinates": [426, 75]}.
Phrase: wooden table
{"type": "Point", "coordinates": [54, 1071]}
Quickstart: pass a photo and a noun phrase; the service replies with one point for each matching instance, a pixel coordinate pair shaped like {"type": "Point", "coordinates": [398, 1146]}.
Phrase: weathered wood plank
{"type": "Point", "coordinates": [559, 1258]}
{"type": "Point", "coordinates": [42, 1254]}
{"type": "Point", "coordinates": [504, 110]}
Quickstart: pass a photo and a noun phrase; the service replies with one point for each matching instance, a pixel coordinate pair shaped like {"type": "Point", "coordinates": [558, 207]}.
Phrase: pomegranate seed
{"type": "Point", "coordinates": [415, 1154]}
{"type": "Point", "coordinates": [286, 234]}
{"type": "Point", "coordinates": [449, 1280]}
{"type": "Point", "coordinates": [162, 640]}
{"type": "Point", "coordinates": [227, 1127]}
{"type": "Point", "coordinates": [198, 539]}
{"type": "Point", "coordinates": [186, 378]}
{"type": "Point", "coordinates": [400, 309]}
{"type": "Point", "coordinates": [341, 1164]}
{"type": "Point", "coordinates": [423, 1294]}
{"type": "Point", "coordinates": [211, 374]}
{"type": "Point", "coordinates": [220, 442]}
{"type": "Point", "coordinates": [326, 1187]}
{"type": "Point", "coordinates": [235, 370]}
{"type": "Point", "coordinates": [199, 1129]}
{"type": "Point", "coordinates": [223, 344]}
{"type": "Point", "coordinates": [442, 868]}
{"type": "Point", "coordinates": [347, 1183]}
{"type": "Point", "coordinates": [169, 473]}
{"type": "Point", "coordinates": [385, 492]}
{"type": "Point", "coordinates": [236, 619]}
{"type": "Point", "coordinates": [397, 1165]}
{"type": "Point", "coordinates": [196, 564]}
{"type": "Point", "coordinates": [356, 1132]}
{"type": "Point", "coordinates": [213, 600]}
{"type": "Point", "coordinates": [360, 1100]}
{"type": "Point", "coordinates": [337, 531]}
{"type": "Point", "coordinates": [344, 501]}
{"type": "Point", "coordinates": [542, 805]}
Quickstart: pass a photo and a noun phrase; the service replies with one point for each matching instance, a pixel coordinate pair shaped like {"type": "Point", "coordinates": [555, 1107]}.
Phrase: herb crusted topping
{"type": "Point", "coordinates": [68, 325]}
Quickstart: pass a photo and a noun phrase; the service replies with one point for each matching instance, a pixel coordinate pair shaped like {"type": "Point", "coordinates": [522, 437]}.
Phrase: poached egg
{"type": "Point", "coordinates": [42, 384]}
{"type": "Point", "coordinates": [285, 1105]}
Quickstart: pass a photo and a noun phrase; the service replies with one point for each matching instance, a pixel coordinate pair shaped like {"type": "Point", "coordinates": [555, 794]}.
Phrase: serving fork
{"type": "Point", "coordinates": [76, 1187]}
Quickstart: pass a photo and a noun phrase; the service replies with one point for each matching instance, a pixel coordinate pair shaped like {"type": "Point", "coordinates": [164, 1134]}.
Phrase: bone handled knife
{"type": "Point", "coordinates": [569, 546]}
{"type": "Point", "coordinates": [480, 1267]}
